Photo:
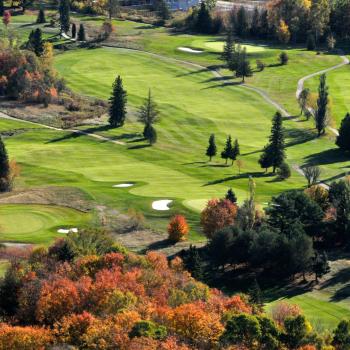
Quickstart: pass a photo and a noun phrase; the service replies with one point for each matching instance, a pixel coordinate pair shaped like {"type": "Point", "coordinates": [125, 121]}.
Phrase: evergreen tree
{"type": "Point", "coordinates": [283, 57]}
{"type": "Point", "coordinates": [81, 33]}
{"type": "Point", "coordinates": [265, 159]}
{"type": "Point", "coordinates": [310, 43]}
{"type": "Point", "coordinates": [274, 153]}
{"type": "Point", "coordinates": [74, 30]}
{"type": "Point", "coordinates": [242, 26]}
{"type": "Point", "coordinates": [228, 48]}
{"type": "Point", "coordinates": [225, 154]}
{"type": "Point", "coordinates": [204, 21]}
{"type": "Point", "coordinates": [243, 69]}
{"type": "Point", "coordinates": [64, 12]}
{"type": "Point", "coordinates": [150, 134]}
{"type": "Point", "coordinates": [163, 10]}
{"type": "Point", "coordinates": [4, 168]}
{"type": "Point", "coordinates": [148, 113]}
{"type": "Point", "coordinates": [343, 139]}
{"type": "Point", "coordinates": [255, 28]}
{"type": "Point", "coordinates": [255, 295]}
{"type": "Point", "coordinates": [321, 113]}
{"type": "Point", "coordinates": [235, 152]}
{"type": "Point", "coordinates": [35, 42]}
{"type": "Point", "coordinates": [193, 262]}
{"type": "Point", "coordinates": [231, 196]}
{"type": "Point", "coordinates": [2, 8]}
{"type": "Point", "coordinates": [41, 17]}
{"type": "Point", "coordinates": [117, 110]}
{"type": "Point", "coordinates": [320, 265]}
{"type": "Point", "coordinates": [211, 150]}
{"type": "Point", "coordinates": [264, 25]}
{"type": "Point", "coordinates": [235, 57]}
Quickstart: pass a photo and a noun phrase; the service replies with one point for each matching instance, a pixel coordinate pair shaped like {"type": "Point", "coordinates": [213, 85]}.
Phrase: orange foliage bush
{"type": "Point", "coordinates": [57, 299]}
{"type": "Point", "coordinates": [191, 322]}
{"type": "Point", "coordinates": [24, 338]}
{"type": "Point", "coordinates": [217, 215]}
{"type": "Point", "coordinates": [178, 228]}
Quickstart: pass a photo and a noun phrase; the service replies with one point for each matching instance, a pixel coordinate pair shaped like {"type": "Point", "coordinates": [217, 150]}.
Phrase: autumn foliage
{"type": "Point", "coordinates": [178, 228]}
{"type": "Point", "coordinates": [24, 76]}
{"type": "Point", "coordinates": [96, 301]}
{"type": "Point", "coordinates": [217, 215]}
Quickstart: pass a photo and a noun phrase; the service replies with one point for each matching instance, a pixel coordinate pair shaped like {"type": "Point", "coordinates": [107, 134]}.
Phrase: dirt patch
{"type": "Point", "coordinates": [144, 240]}
{"type": "Point", "coordinates": [68, 111]}
{"type": "Point", "coordinates": [63, 196]}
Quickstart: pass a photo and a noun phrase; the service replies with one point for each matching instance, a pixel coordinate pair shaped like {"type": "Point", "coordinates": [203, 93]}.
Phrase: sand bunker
{"type": "Point", "coordinates": [188, 49]}
{"type": "Point", "coordinates": [67, 230]}
{"type": "Point", "coordinates": [161, 204]}
{"type": "Point", "coordinates": [122, 185]}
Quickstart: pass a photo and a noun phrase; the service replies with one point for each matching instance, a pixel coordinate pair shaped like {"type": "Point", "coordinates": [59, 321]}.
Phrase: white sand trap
{"type": "Point", "coordinates": [188, 49]}
{"type": "Point", "coordinates": [17, 245]}
{"type": "Point", "coordinates": [122, 185]}
{"type": "Point", "coordinates": [67, 230]}
{"type": "Point", "coordinates": [161, 204]}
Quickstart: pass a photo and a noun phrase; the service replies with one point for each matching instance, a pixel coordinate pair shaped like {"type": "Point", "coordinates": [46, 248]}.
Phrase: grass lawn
{"type": "Point", "coordinates": [37, 223]}
{"type": "Point", "coordinates": [339, 90]}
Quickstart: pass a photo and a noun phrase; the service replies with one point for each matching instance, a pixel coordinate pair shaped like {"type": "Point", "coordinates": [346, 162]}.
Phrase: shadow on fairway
{"type": "Point", "coordinates": [329, 156]}
{"type": "Point", "coordinates": [159, 245]}
{"type": "Point", "coordinates": [297, 136]}
{"type": "Point", "coordinates": [139, 146]}
{"type": "Point", "coordinates": [237, 177]}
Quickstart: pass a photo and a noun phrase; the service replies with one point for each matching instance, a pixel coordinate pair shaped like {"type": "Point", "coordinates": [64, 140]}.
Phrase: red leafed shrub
{"type": "Point", "coordinates": [217, 215]}
{"type": "Point", "coordinates": [178, 228]}
{"type": "Point", "coordinates": [24, 338]}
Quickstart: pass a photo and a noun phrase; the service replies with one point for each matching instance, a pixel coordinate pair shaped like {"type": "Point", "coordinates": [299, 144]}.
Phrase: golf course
{"type": "Point", "coordinates": [71, 177]}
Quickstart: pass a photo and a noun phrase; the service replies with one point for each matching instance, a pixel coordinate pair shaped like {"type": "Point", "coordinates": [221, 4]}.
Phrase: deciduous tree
{"type": "Point", "coordinates": [178, 228]}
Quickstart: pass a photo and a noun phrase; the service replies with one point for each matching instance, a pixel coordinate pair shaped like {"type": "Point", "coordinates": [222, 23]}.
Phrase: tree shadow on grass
{"type": "Point", "coordinates": [223, 85]}
{"type": "Point", "coordinates": [192, 163]}
{"type": "Point", "coordinates": [296, 136]}
{"type": "Point", "coordinates": [237, 177]}
{"type": "Point", "coordinates": [164, 243]}
{"type": "Point", "coordinates": [139, 146]}
{"type": "Point", "coordinates": [208, 165]}
{"type": "Point", "coordinates": [329, 156]}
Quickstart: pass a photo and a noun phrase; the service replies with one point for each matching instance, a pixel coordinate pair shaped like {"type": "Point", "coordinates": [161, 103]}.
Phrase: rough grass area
{"type": "Point", "coordinates": [3, 267]}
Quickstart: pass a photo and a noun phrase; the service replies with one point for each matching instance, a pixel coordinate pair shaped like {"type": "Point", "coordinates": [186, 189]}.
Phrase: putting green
{"type": "Point", "coordinates": [36, 223]}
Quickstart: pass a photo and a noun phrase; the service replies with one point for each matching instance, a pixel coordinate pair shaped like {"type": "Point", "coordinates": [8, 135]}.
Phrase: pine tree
{"type": "Point", "coordinates": [2, 8]}
{"type": "Point", "coordinates": [204, 21]}
{"type": "Point", "coordinates": [211, 150]}
{"type": "Point", "coordinates": [64, 11]}
{"type": "Point", "coordinates": [148, 113]}
{"type": "Point", "coordinates": [320, 265]}
{"type": "Point", "coordinates": [255, 27]}
{"type": "Point", "coordinates": [264, 25]}
{"type": "Point", "coordinates": [231, 196]}
{"type": "Point", "coordinates": [193, 262]}
{"type": "Point", "coordinates": [311, 44]}
{"type": "Point", "coordinates": [242, 26]}
{"type": "Point", "coordinates": [236, 53]}
{"type": "Point", "coordinates": [41, 17]}
{"type": "Point", "coordinates": [117, 110]}
{"type": "Point", "coordinates": [150, 134]}
{"type": "Point", "coordinates": [343, 139]}
{"type": "Point", "coordinates": [225, 154]}
{"type": "Point", "coordinates": [274, 153]}
{"type": "Point", "coordinates": [81, 33]}
{"type": "Point", "coordinates": [321, 113]}
{"type": "Point", "coordinates": [235, 152]}
{"type": "Point", "coordinates": [4, 168]}
{"type": "Point", "coordinates": [35, 42]}
{"type": "Point", "coordinates": [277, 144]}
{"type": "Point", "coordinates": [74, 30]}
{"type": "Point", "coordinates": [227, 53]}
{"type": "Point", "coordinates": [243, 69]}
{"type": "Point", "coordinates": [265, 159]}
{"type": "Point", "coordinates": [255, 295]}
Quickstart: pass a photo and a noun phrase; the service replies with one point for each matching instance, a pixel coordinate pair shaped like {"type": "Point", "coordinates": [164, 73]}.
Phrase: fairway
{"type": "Point", "coordinates": [36, 223]}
